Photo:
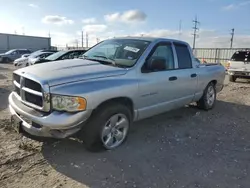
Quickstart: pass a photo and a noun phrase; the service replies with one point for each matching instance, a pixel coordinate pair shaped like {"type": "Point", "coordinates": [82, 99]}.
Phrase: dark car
{"type": "Point", "coordinates": [61, 55]}
{"type": "Point", "coordinates": [12, 55]}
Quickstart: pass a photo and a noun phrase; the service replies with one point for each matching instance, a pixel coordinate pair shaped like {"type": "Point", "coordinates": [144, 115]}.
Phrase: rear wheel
{"type": "Point", "coordinates": [107, 128]}
{"type": "Point", "coordinates": [208, 99]}
{"type": "Point", "coordinates": [232, 78]}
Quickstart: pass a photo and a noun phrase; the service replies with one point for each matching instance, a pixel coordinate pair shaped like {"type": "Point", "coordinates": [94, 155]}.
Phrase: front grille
{"type": "Point", "coordinates": [17, 90]}
{"type": "Point", "coordinates": [34, 99]}
{"type": "Point", "coordinates": [16, 77]}
{"type": "Point", "coordinates": [30, 92]}
{"type": "Point", "coordinates": [32, 85]}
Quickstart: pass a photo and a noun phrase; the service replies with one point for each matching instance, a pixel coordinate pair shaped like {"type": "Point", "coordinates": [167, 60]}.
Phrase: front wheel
{"type": "Point", "coordinates": [108, 127]}
{"type": "Point", "coordinates": [208, 99]}
{"type": "Point", "coordinates": [6, 60]}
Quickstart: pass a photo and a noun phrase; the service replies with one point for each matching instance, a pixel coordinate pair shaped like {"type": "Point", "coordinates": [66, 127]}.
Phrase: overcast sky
{"type": "Point", "coordinates": [65, 19]}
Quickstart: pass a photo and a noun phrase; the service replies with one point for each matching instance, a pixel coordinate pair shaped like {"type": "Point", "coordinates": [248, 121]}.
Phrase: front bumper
{"type": "Point", "coordinates": [54, 124]}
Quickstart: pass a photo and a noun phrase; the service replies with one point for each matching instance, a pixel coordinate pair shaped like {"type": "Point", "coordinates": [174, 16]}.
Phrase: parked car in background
{"type": "Point", "coordinates": [25, 55]}
{"type": "Point", "coordinates": [32, 60]}
{"type": "Point", "coordinates": [239, 66]}
{"type": "Point", "coordinates": [119, 81]}
{"type": "Point", "coordinates": [24, 62]}
{"type": "Point", "coordinates": [62, 55]}
{"type": "Point", "coordinates": [12, 55]}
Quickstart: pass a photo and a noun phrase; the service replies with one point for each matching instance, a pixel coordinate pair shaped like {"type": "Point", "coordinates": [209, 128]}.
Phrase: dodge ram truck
{"type": "Point", "coordinates": [116, 82]}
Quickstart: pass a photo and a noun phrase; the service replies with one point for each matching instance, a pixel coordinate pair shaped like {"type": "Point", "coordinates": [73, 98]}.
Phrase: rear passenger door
{"type": "Point", "coordinates": [187, 77]}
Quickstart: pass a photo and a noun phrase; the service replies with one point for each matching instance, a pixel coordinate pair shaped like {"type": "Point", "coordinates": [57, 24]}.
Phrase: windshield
{"type": "Point", "coordinates": [9, 52]}
{"type": "Point", "coordinates": [241, 56]}
{"type": "Point", "coordinates": [123, 52]}
{"type": "Point", "coordinates": [55, 56]}
{"type": "Point", "coordinates": [34, 54]}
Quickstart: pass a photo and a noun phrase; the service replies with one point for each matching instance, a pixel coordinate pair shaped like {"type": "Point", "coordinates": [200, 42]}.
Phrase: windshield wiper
{"type": "Point", "coordinates": [110, 60]}
{"type": "Point", "coordinates": [104, 57]}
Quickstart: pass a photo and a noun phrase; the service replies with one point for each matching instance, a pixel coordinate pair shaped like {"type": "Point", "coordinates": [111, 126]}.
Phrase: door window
{"type": "Point", "coordinates": [163, 51]}
{"type": "Point", "coordinates": [14, 53]}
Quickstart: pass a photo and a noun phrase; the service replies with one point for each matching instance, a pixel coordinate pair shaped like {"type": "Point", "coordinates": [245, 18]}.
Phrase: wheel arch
{"type": "Point", "coordinates": [126, 101]}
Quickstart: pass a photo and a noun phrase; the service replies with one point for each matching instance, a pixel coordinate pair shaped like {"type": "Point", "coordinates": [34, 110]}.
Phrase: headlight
{"type": "Point", "coordinates": [68, 103]}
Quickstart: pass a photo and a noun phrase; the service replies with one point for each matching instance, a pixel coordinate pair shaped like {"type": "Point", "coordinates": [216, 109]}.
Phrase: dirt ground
{"type": "Point", "coordinates": [185, 148]}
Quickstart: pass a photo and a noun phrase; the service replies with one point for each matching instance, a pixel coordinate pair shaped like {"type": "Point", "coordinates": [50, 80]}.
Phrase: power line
{"type": "Point", "coordinates": [232, 38]}
{"type": "Point", "coordinates": [196, 22]}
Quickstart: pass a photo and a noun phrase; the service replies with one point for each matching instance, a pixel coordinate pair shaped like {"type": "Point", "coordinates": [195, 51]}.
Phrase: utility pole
{"type": "Point", "coordinates": [49, 34]}
{"type": "Point", "coordinates": [195, 30]}
{"type": "Point", "coordinates": [232, 38]}
{"type": "Point", "coordinates": [87, 38]}
{"type": "Point", "coordinates": [180, 29]}
{"type": "Point", "coordinates": [82, 39]}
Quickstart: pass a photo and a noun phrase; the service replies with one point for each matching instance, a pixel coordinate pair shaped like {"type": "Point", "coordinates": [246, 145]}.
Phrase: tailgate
{"type": "Point", "coordinates": [239, 66]}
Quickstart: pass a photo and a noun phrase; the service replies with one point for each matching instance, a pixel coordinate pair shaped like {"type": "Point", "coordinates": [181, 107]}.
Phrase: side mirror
{"type": "Point", "coordinates": [156, 64]}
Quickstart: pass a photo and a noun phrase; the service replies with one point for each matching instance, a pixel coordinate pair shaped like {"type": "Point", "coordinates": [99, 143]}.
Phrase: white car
{"type": "Point", "coordinates": [20, 62]}
{"type": "Point", "coordinates": [25, 55]}
{"type": "Point", "coordinates": [30, 60]}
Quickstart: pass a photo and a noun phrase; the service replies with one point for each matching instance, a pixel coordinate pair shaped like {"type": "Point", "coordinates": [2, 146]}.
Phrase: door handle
{"type": "Point", "coordinates": [172, 78]}
{"type": "Point", "coordinates": [193, 75]}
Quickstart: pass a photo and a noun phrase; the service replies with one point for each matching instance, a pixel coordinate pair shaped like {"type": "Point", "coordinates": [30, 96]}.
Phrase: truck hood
{"type": "Point", "coordinates": [62, 72]}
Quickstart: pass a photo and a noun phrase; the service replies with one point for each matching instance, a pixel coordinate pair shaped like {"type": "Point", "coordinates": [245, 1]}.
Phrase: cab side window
{"type": "Point", "coordinates": [183, 56]}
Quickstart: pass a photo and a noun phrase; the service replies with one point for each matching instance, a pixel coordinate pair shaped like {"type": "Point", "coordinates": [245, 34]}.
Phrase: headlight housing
{"type": "Point", "coordinates": [68, 103]}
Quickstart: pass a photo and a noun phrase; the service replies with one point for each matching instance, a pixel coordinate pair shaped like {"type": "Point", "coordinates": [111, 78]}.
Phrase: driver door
{"type": "Point", "coordinates": [157, 88]}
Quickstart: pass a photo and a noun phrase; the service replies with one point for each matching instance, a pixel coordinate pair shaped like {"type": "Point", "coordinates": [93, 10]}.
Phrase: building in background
{"type": "Point", "coordinates": [33, 43]}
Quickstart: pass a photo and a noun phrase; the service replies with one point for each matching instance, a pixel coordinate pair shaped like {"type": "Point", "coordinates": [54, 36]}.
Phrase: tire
{"type": "Point", "coordinates": [232, 78]}
{"type": "Point", "coordinates": [205, 102]}
{"type": "Point", "coordinates": [27, 64]}
{"type": "Point", "coordinates": [100, 123]}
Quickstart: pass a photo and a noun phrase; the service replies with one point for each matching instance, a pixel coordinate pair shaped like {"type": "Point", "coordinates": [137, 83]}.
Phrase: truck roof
{"type": "Point", "coordinates": [152, 39]}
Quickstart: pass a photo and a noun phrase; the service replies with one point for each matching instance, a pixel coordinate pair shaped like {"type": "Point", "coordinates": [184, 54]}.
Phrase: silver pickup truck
{"type": "Point", "coordinates": [239, 65]}
{"type": "Point", "coordinates": [115, 83]}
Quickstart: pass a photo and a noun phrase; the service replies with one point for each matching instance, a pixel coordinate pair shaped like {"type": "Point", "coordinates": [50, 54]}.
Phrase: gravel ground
{"type": "Point", "coordinates": [186, 148]}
